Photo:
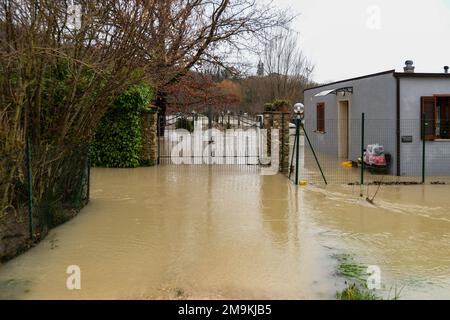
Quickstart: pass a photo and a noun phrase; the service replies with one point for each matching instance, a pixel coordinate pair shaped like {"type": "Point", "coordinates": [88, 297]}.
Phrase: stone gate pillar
{"type": "Point", "coordinates": [279, 121]}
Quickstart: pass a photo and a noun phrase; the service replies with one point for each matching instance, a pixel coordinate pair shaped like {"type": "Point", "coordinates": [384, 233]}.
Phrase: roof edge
{"type": "Point", "coordinates": [421, 75]}
{"type": "Point", "coordinates": [353, 79]}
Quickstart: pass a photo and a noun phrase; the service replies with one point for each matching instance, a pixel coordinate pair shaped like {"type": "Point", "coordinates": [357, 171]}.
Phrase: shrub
{"type": "Point", "coordinates": [269, 107]}
{"type": "Point", "coordinates": [183, 123]}
{"type": "Point", "coordinates": [354, 292]}
{"type": "Point", "coordinates": [117, 142]}
{"type": "Point", "coordinates": [277, 105]}
{"type": "Point", "coordinates": [281, 105]}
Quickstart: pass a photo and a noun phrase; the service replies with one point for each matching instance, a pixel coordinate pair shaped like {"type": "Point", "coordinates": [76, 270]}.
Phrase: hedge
{"type": "Point", "coordinates": [117, 142]}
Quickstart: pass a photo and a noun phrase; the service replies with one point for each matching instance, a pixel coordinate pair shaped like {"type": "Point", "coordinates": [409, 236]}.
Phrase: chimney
{"type": "Point", "coordinates": [446, 69]}
{"type": "Point", "coordinates": [409, 66]}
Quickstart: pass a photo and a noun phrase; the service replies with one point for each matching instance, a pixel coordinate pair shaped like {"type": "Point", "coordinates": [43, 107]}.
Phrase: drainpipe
{"type": "Point", "coordinates": [398, 128]}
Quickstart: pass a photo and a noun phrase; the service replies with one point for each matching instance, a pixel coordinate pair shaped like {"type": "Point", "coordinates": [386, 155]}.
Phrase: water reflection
{"type": "Point", "coordinates": [406, 232]}
{"type": "Point", "coordinates": [276, 222]}
{"type": "Point", "coordinates": [202, 232]}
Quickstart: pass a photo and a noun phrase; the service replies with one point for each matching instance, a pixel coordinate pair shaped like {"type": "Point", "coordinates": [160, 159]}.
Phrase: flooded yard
{"type": "Point", "coordinates": [203, 232]}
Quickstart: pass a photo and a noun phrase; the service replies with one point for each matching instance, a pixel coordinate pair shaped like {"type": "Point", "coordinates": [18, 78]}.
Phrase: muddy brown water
{"type": "Point", "coordinates": [229, 233]}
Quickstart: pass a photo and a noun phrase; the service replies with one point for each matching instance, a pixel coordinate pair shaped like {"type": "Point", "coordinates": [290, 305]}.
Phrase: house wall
{"type": "Point", "coordinates": [437, 152]}
{"type": "Point", "coordinates": [375, 96]}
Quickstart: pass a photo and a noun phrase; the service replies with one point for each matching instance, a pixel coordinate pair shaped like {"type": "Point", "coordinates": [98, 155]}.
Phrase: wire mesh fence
{"type": "Point", "coordinates": [370, 151]}
{"type": "Point", "coordinates": [40, 188]}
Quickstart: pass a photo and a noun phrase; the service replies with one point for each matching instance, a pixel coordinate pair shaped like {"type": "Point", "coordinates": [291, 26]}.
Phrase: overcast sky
{"type": "Point", "coordinates": [347, 38]}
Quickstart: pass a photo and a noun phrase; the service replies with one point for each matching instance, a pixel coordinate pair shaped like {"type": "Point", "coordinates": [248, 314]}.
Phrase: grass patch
{"type": "Point", "coordinates": [354, 292]}
{"type": "Point", "coordinates": [350, 269]}
{"type": "Point", "coordinates": [356, 279]}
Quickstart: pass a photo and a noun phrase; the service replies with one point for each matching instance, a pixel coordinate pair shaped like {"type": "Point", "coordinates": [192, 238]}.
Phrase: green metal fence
{"type": "Point", "coordinates": [347, 152]}
{"type": "Point", "coordinates": [40, 188]}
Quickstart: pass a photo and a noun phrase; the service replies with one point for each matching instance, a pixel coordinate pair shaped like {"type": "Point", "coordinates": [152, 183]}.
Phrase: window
{"type": "Point", "coordinates": [436, 111]}
{"type": "Point", "coordinates": [321, 117]}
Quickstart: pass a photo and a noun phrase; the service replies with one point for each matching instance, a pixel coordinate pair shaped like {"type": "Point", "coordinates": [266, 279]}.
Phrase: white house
{"type": "Point", "coordinates": [394, 104]}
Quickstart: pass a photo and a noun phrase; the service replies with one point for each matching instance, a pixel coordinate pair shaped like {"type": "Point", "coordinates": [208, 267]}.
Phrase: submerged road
{"type": "Point", "coordinates": [228, 233]}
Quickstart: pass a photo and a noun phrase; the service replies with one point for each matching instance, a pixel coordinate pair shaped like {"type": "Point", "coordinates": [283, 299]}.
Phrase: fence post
{"type": "Point", "coordinates": [282, 144]}
{"type": "Point", "coordinates": [362, 147]}
{"type": "Point", "coordinates": [423, 147]}
{"type": "Point", "coordinates": [158, 136]}
{"type": "Point", "coordinates": [294, 152]}
{"type": "Point", "coordinates": [297, 149]}
{"type": "Point", "coordinates": [30, 186]}
{"type": "Point", "coordinates": [88, 177]}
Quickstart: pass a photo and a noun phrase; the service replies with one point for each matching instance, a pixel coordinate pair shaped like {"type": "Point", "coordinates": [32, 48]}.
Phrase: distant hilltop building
{"type": "Point", "coordinates": [260, 71]}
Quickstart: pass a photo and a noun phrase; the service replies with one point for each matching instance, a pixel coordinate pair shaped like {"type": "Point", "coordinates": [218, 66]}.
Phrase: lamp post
{"type": "Point", "coordinates": [299, 110]}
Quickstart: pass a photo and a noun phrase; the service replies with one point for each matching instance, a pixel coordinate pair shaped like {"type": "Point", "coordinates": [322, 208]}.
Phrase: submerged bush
{"type": "Point", "coordinates": [355, 292]}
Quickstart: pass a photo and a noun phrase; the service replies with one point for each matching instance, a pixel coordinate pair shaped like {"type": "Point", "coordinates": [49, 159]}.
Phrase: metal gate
{"type": "Point", "coordinates": [232, 139]}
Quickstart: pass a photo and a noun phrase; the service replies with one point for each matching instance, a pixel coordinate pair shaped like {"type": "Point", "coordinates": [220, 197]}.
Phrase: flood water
{"type": "Point", "coordinates": [228, 233]}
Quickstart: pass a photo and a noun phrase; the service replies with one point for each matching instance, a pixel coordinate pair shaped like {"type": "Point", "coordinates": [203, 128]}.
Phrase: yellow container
{"type": "Point", "coordinates": [347, 164]}
{"type": "Point", "coordinates": [303, 183]}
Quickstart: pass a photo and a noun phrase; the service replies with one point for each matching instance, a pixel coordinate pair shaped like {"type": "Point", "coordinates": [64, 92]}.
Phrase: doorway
{"type": "Point", "coordinates": [344, 130]}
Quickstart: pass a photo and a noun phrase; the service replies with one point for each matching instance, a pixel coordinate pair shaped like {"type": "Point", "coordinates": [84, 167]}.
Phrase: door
{"type": "Point", "coordinates": [344, 130]}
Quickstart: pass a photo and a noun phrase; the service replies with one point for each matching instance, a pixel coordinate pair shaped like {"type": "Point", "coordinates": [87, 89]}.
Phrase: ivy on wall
{"type": "Point", "coordinates": [117, 142]}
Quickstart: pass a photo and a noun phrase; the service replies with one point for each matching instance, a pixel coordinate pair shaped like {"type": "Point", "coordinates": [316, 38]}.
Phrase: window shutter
{"type": "Point", "coordinates": [321, 117]}
{"type": "Point", "coordinates": [428, 110]}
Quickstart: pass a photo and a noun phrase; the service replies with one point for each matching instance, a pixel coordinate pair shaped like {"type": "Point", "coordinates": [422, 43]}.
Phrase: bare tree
{"type": "Point", "coordinates": [39, 45]}
{"type": "Point", "coordinates": [283, 72]}
{"type": "Point", "coordinates": [199, 92]}
{"type": "Point", "coordinates": [287, 68]}
{"type": "Point", "coordinates": [58, 75]}
{"type": "Point", "coordinates": [188, 33]}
